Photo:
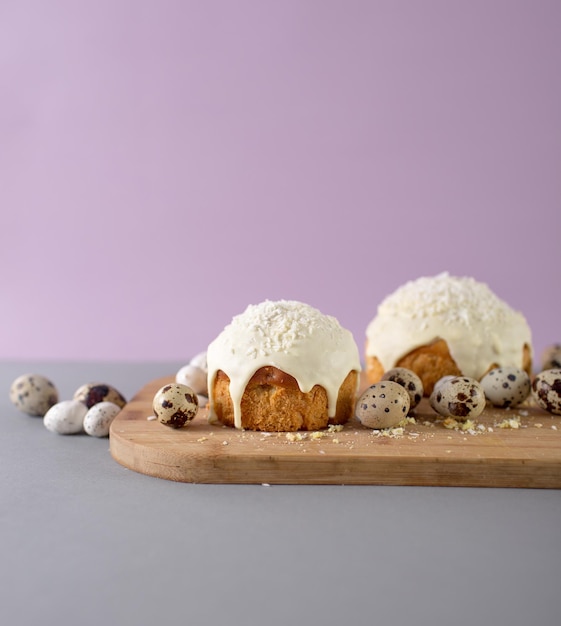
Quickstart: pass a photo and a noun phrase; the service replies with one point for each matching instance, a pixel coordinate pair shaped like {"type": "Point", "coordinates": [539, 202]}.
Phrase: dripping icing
{"type": "Point", "coordinates": [449, 308]}
{"type": "Point", "coordinates": [289, 335]}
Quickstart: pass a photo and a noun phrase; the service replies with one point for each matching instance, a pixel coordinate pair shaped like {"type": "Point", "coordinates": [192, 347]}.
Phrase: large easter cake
{"type": "Point", "coordinates": [446, 325]}
{"type": "Point", "coordinates": [282, 366]}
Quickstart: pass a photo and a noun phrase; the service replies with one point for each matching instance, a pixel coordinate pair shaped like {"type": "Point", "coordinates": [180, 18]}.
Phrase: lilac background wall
{"type": "Point", "coordinates": [163, 164]}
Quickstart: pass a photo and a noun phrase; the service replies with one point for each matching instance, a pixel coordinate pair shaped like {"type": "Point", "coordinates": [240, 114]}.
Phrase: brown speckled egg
{"type": "Point", "coordinates": [92, 393]}
{"type": "Point", "coordinates": [546, 389]}
{"type": "Point", "coordinates": [33, 394]}
{"type": "Point", "coordinates": [460, 397]}
{"type": "Point", "coordinates": [175, 405]}
{"type": "Point", "coordinates": [506, 386]}
{"type": "Point", "coordinates": [409, 381]}
{"type": "Point", "coordinates": [383, 405]}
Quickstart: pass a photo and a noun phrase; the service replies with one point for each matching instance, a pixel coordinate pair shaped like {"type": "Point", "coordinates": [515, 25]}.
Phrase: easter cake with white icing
{"type": "Point", "coordinates": [446, 325]}
{"type": "Point", "coordinates": [282, 366]}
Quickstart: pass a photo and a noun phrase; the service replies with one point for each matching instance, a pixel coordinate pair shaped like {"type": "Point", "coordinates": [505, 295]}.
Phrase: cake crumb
{"type": "Point", "coordinates": [225, 443]}
{"type": "Point", "coordinates": [450, 423]}
{"type": "Point", "coordinates": [407, 420]}
{"type": "Point", "coordinates": [201, 439]}
{"type": "Point", "coordinates": [317, 434]}
{"type": "Point", "coordinates": [511, 422]}
{"type": "Point", "coordinates": [151, 418]}
{"type": "Point", "coordinates": [296, 436]}
{"type": "Point", "coordinates": [392, 433]}
{"type": "Point", "coordinates": [335, 440]}
{"type": "Point", "coordinates": [553, 427]}
{"type": "Point", "coordinates": [335, 428]}
{"type": "Point", "coordinates": [538, 425]}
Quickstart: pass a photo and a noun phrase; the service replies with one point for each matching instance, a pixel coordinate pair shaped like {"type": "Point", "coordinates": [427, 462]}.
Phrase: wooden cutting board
{"type": "Point", "coordinates": [505, 448]}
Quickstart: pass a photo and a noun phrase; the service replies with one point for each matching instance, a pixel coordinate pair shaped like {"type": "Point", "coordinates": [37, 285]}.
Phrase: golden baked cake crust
{"type": "Point", "coordinates": [273, 402]}
{"type": "Point", "coordinates": [446, 325]}
{"type": "Point", "coordinates": [431, 363]}
{"type": "Point", "coordinates": [282, 366]}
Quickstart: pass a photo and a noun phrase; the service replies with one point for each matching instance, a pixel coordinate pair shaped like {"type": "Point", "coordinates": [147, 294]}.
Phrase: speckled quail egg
{"type": "Point", "coordinates": [66, 417]}
{"type": "Point", "coordinates": [443, 380]}
{"type": "Point", "coordinates": [194, 377]}
{"type": "Point", "coordinates": [506, 386]}
{"type": "Point", "coordinates": [92, 393]}
{"type": "Point", "coordinates": [551, 357]}
{"type": "Point", "coordinates": [175, 405]}
{"type": "Point", "coordinates": [460, 397]}
{"type": "Point", "coordinates": [383, 405]}
{"type": "Point", "coordinates": [409, 381]}
{"type": "Point", "coordinates": [546, 389]}
{"type": "Point", "coordinates": [97, 420]}
{"type": "Point", "coordinates": [33, 394]}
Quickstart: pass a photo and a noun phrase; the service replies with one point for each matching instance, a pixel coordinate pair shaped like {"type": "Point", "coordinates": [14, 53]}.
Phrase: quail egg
{"type": "Point", "coordinates": [506, 386]}
{"type": "Point", "coordinates": [66, 417]}
{"type": "Point", "coordinates": [409, 381]}
{"type": "Point", "coordinates": [546, 389]}
{"type": "Point", "coordinates": [92, 393]}
{"type": "Point", "coordinates": [175, 405]}
{"type": "Point", "coordinates": [97, 420]}
{"type": "Point", "coordinates": [199, 360]}
{"type": "Point", "coordinates": [33, 394]}
{"type": "Point", "coordinates": [383, 405]}
{"type": "Point", "coordinates": [460, 397]}
{"type": "Point", "coordinates": [194, 377]}
{"type": "Point", "coordinates": [551, 357]}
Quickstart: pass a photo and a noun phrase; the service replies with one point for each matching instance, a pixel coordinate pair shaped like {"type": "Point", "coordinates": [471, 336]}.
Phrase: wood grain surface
{"type": "Point", "coordinates": [519, 447]}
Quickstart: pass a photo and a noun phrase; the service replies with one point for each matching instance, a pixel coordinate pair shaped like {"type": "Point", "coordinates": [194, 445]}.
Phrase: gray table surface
{"type": "Point", "coordinates": [86, 541]}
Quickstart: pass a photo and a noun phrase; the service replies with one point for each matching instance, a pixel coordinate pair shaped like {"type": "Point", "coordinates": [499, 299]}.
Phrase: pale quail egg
{"type": "Point", "coordinates": [203, 400]}
{"type": "Point", "coordinates": [97, 420]}
{"type": "Point", "coordinates": [194, 377]}
{"type": "Point", "coordinates": [460, 397]}
{"type": "Point", "coordinates": [66, 417]}
{"type": "Point", "coordinates": [546, 389]}
{"type": "Point", "coordinates": [199, 360]}
{"type": "Point", "coordinates": [383, 405]}
{"type": "Point", "coordinates": [506, 386]}
{"type": "Point", "coordinates": [92, 393]}
{"type": "Point", "coordinates": [33, 394]}
{"type": "Point", "coordinates": [551, 357]}
{"type": "Point", "coordinates": [409, 381]}
{"type": "Point", "coordinates": [175, 405]}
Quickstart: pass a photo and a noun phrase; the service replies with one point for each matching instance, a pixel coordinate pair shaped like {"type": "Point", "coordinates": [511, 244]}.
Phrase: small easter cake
{"type": "Point", "coordinates": [282, 366]}
{"type": "Point", "coordinates": [446, 325]}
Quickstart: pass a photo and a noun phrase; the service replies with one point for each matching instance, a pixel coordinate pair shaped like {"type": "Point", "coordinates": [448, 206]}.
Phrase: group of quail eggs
{"type": "Point", "coordinates": [91, 409]}
{"type": "Point", "coordinates": [94, 406]}
{"type": "Point", "coordinates": [386, 403]}
{"type": "Point", "coordinates": [383, 405]}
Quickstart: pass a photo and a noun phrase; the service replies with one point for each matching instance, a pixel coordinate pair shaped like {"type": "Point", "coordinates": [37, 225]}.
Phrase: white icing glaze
{"type": "Point", "coordinates": [289, 335]}
{"type": "Point", "coordinates": [479, 327]}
